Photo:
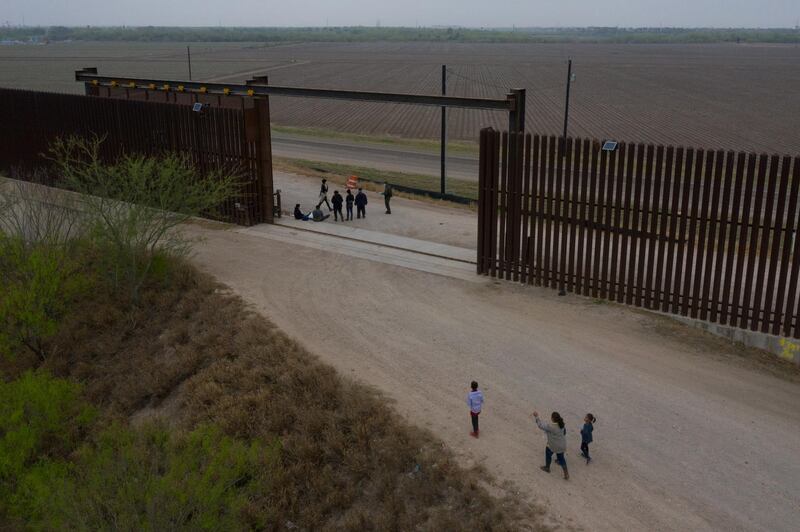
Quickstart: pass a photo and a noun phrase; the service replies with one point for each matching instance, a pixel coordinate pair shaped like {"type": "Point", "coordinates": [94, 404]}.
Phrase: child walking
{"type": "Point", "coordinates": [475, 402]}
{"type": "Point", "coordinates": [586, 436]}
{"type": "Point", "coordinates": [556, 441]}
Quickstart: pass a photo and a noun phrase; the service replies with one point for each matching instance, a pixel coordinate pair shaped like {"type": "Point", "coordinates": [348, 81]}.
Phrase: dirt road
{"type": "Point", "coordinates": [688, 437]}
{"type": "Point", "coordinates": [455, 226]}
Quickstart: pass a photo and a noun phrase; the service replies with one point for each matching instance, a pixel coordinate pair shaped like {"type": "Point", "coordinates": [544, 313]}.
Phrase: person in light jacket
{"type": "Point", "coordinates": [556, 441]}
{"type": "Point", "coordinates": [475, 402]}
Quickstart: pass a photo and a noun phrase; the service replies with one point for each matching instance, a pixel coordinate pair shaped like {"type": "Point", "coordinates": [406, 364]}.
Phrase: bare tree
{"type": "Point", "coordinates": [136, 205]}
{"type": "Point", "coordinates": [37, 214]}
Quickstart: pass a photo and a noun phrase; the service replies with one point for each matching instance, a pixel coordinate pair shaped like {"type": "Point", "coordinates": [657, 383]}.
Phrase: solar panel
{"type": "Point", "coordinates": [610, 145]}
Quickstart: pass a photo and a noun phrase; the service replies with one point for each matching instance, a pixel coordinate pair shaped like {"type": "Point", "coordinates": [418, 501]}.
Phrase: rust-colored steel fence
{"type": "Point", "coordinates": [216, 139]}
{"type": "Point", "coordinates": [701, 233]}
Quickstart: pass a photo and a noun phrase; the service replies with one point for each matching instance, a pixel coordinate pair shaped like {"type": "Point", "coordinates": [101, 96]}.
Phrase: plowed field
{"type": "Point", "coordinates": [721, 96]}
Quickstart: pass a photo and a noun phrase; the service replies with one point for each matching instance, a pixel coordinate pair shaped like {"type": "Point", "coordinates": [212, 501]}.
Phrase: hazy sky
{"type": "Point", "coordinates": [475, 13]}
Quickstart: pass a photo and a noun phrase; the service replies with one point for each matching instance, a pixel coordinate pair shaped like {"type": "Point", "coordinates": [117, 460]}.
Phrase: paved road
{"type": "Point", "coordinates": [373, 156]}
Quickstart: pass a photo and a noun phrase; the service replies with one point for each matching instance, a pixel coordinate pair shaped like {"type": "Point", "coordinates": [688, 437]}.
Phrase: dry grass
{"type": "Point", "coordinates": [192, 353]}
{"type": "Point", "coordinates": [707, 344]}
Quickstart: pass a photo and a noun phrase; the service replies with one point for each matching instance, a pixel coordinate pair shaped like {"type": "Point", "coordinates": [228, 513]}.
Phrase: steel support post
{"type": "Point", "coordinates": [443, 187]}
{"type": "Point", "coordinates": [264, 144]}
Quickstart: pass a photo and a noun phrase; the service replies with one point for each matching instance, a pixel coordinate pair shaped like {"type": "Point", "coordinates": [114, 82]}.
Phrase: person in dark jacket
{"type": "Point", "coordinates": [349, 199]}
{"type": "Point", "coordinates": [361, 204]}
{"type": "Point", "coordinates": [298, 214]}
{"type": "Point", "coordinates": [387, 196]}
{"type": "Point", "coordinates": [323, 195]}
{"type": "Point", "coordinates": [586, 436]}
{"type": "Point", "coordinates": [337, 201]}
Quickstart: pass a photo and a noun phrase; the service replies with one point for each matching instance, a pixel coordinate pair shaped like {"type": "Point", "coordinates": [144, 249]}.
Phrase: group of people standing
{"type": "Point", "coordinates": [337, 201]}
{"type": "Point", "coordinates": [555, 430]}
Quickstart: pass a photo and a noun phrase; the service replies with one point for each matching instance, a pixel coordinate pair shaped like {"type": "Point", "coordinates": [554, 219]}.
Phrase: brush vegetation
{"type": "Point", "coordinates": [182, 408]}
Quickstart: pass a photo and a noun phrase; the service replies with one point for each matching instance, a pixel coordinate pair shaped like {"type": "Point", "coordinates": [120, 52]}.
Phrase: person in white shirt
{"type": "Point", "coordinates": [475, 402]}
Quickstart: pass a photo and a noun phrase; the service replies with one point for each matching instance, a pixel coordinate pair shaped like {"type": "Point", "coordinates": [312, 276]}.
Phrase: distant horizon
{"type": "Point", "coordinates": [499, 34]}
{"type": "Point", "coordinates": [433, 26]}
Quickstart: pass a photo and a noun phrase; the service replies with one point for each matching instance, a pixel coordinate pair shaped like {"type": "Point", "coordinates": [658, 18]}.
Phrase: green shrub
{"type": "Point", "coordinates": [39, 414]}
{"type": "Point", "coordinates": [42, 420]}
{"type": "Point", "coordinates": [38, 284]}
{"type": "Point", "coordinates": [147, 479]}
{"type": "Point", "coordinates": [52, 478]}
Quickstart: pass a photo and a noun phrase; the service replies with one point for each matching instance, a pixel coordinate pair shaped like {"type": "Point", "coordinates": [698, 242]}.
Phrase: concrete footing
{"type": "Point", "coordinates": [786, 348]}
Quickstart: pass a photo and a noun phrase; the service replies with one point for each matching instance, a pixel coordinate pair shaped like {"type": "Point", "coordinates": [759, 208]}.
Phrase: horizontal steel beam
{"type": "Point", "coordinates": [90, 76]}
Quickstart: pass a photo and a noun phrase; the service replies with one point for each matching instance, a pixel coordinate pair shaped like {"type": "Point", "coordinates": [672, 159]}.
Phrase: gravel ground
{"type": "Point", "coordinates": [690, 435]}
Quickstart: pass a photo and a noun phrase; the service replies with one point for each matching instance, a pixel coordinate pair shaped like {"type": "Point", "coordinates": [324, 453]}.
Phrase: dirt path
{"type": "Point", "coordinates": [687, 438]}
{"type": "Point", "coordinates": [433, 221]}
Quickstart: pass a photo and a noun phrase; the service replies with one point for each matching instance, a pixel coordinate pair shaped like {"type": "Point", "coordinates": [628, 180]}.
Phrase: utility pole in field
{"type": "Point", "coordinates": [189, 59]}
{"type": "Point", "coordinates": [444, 132]}
{"type": "Point", "coordinates": [563, 144]}
{"type": "Point", "coordinates": [566, 109]}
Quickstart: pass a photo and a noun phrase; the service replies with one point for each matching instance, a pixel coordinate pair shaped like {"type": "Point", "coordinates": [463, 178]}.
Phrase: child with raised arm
{"type": "Point", "coordinates": [475, 402]}
{"type": "Point", "coordinates": [556, 441]}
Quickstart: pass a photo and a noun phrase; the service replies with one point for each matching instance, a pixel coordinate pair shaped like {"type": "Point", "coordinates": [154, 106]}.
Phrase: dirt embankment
{"type": "Point", "coordinates": [192, 353]}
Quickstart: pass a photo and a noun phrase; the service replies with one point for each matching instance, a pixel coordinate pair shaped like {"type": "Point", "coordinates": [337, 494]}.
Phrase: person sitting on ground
{"type": "Point", "coordinates": [298, 214]}
{"type": "Point", "coordinates": [361, 204]}
{"type": "Point", "coordinates": [317, 215]}
{"type": "Point", "coordinates": [337, 201]}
